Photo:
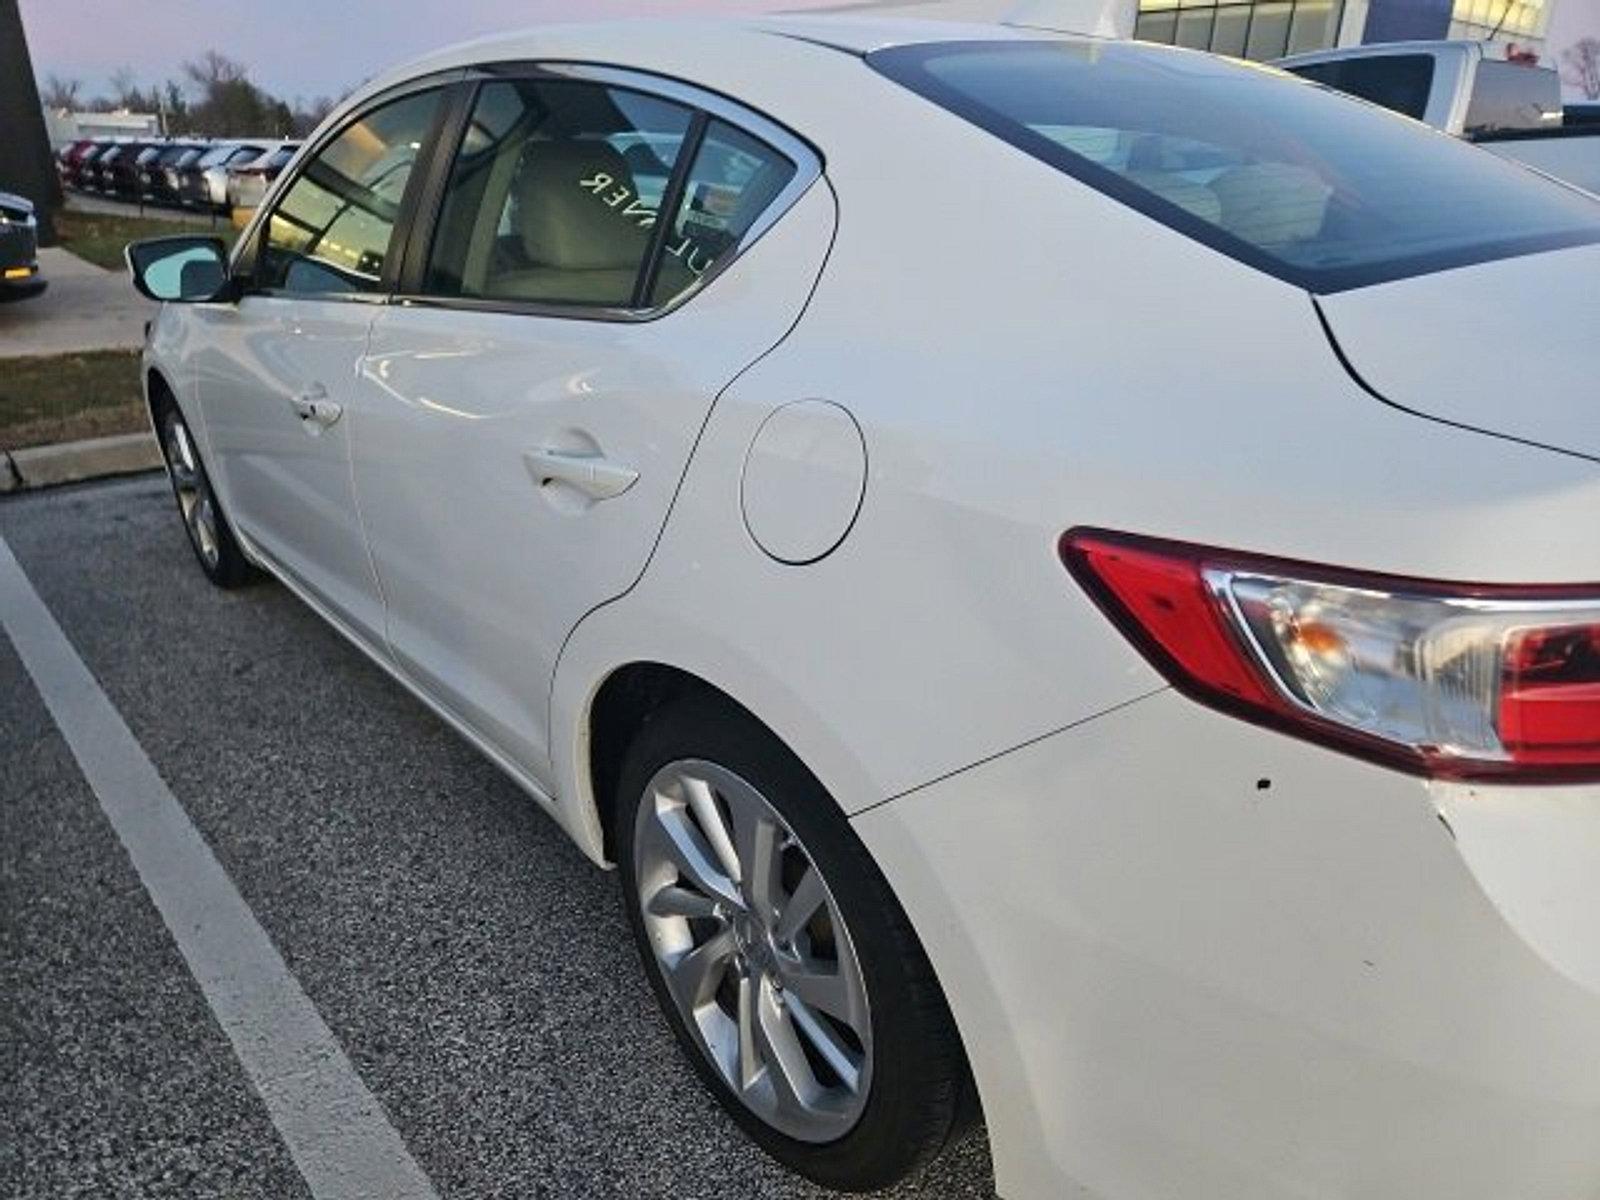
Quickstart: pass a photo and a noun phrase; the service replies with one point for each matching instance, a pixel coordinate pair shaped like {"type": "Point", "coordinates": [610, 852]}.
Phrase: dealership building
{"type": "Point", "coordinates": [1271, 28]}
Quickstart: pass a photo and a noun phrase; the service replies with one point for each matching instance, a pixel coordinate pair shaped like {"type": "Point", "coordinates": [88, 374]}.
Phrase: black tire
{"type": "Point", "coordinates": [222, 560]}
{"type": "Point", "coordinates": [921, 1095]}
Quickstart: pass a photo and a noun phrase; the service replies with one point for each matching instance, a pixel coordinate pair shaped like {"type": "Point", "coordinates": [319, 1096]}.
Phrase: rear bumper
{"type": "Point", "coordinates": [1191, 958]}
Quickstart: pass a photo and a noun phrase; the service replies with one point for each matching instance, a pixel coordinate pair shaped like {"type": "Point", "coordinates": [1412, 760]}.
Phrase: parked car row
{"type": "Point", "coordinates": [186, 172]}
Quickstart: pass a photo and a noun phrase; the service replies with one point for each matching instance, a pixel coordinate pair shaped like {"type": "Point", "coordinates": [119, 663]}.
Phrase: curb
{"type": "Point", "coordinates": [73, 462]}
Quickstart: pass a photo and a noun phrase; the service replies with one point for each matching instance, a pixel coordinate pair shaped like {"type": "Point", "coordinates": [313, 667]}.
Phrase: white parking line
{"type": "Point", "coordinates": [335, 1130]}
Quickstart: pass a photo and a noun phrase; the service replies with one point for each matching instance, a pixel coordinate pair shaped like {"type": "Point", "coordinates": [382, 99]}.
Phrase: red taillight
{"type": "Point", "coordinates": [1166, 599]}
{"type": "Point", "coordinates": [1550, 695]}
{"type": "Point", "coordinates": [1454, 680]}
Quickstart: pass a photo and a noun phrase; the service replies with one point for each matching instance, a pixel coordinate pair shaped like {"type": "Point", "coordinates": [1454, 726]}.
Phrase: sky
{"type": "Point", "coordinates": [1572, 20]}
{"type": "Point", "coordinates": [297, 47]}
{"type": "Point", "coordinates": [308, 48]}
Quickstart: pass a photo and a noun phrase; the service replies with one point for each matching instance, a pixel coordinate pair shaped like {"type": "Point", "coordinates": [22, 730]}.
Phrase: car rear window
{"type": "Point", "coordinates": [1287, 177]}
{"type": "Point", "coordinates": [1400, 82]}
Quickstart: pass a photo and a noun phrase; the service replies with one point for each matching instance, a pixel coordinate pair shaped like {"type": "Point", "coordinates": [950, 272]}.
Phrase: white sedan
{"type": "Point", "coordinates": [1064, 574]}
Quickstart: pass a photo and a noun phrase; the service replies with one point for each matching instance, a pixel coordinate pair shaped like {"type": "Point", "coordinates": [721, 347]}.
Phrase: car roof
{"type": "Point", "coordinates": [620, 40]}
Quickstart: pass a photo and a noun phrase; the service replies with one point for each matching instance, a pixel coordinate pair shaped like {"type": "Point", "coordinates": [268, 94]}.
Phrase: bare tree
{"type": "Point", "coordinates": [61, 93]}
{"type": "Point", "coordinates": [306, 115]}
{"type": "Point", "coordinates": [125, 91]}
{"type": "Point", "coordinates": [227, 104]}
{"type": "Point", "coordinates": [1582, 69]}
{"type": "Point", "coordinates": [213, 69]}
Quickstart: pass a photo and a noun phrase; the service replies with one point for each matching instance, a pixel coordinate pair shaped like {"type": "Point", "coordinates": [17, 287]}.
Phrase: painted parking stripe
{"type": "Point", "coordinates": [334, 1128]}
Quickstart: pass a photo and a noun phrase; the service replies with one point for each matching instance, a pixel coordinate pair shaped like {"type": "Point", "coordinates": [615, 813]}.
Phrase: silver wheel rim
{"type": "Point", "coordinates": [195, 501]}
{"type": "Point", "coordinates": [754, 950]}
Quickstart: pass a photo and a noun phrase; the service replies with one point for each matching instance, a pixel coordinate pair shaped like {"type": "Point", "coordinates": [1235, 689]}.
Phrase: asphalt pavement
{"type": "Point", "coordinates": [474, 968]}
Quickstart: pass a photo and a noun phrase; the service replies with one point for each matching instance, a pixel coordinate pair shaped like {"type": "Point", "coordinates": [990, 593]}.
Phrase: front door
{"type": "Point", "coordinates": [526, 418]}
{"type": "Point", "coordinates": [278, 380]}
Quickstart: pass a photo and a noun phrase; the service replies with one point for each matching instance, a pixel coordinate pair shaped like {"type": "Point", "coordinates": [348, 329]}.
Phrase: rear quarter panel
{"type": "Point", "coordinates": [1023, 356]}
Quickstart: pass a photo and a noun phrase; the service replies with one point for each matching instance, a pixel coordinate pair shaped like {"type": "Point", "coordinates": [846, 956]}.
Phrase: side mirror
{"type": "Point", "coordinates": [184, 270]}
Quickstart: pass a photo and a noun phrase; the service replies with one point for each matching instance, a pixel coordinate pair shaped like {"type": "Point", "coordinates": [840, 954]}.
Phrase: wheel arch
{"type": "Point", "coordinates": [620, 707]}
{"type": "Point", "coordinates": [628, 658]}
{"type": "Point", "coordinates": [158, 394]}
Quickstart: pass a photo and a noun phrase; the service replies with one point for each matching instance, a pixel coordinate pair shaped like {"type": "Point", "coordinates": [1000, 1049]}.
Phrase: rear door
{"type": "Point", "coordinates": [529, 408]}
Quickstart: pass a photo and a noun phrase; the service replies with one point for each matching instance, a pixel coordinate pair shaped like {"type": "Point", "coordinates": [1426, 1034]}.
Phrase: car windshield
{"type": "Point", "coordinates": [1323, 191]}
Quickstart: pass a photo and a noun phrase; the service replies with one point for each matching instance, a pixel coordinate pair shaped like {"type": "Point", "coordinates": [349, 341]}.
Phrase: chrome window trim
{"type": "Point", "coordinates": [807, 162]}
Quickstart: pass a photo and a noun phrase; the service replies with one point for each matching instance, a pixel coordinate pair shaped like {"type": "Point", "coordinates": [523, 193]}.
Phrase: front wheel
{"type": "Point", "coordinates": [203, 520]}
{"type": "Point", "coordinates": [784, 965]}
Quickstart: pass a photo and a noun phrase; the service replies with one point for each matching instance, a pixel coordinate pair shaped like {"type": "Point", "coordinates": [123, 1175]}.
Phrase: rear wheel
{"type": "Point", "coordinates": [782, 961]}
{"type": "Point", "coordinates": [203, 520]}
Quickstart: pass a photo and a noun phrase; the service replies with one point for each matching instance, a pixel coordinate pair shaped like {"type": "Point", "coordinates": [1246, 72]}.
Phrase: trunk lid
{"type": "Point", "coordinates": [1510, 347]}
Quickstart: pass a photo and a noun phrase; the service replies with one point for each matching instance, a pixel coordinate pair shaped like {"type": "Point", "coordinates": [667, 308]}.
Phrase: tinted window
{"type": "Point", "coordinates": [554, 193]}
{"type": "Point", "coordinates": [1288, 178]}
{"type": "Point", "coordinates": [731, 182]}
{"type": "Point", "coordinates": [331, 229]}
{"type": "Point", "coordinates": [1400, 82]}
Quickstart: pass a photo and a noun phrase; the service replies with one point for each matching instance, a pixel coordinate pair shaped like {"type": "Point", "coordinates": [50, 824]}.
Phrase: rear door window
{"type": "Point", "coordinates": [1280, 175]}
{"type": "Point", "coordinates": [1399, 82]}
{"type": "Point", "coordinates": [555, 193]}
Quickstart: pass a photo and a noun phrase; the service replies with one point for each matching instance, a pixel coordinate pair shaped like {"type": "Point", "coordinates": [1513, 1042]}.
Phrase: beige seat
{"type": "Point", "coordinates": [1154, 168]}
{"type": "Point", "coordinates": [1272, 204]}
{"type": "Point", "coordinates": [582, 244]}
{"type": "Point", "coordinates": [1194, 198]}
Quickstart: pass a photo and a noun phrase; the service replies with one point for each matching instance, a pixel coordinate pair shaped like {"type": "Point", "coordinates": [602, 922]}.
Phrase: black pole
{"type": "Point", "coordinates": [27, 167]}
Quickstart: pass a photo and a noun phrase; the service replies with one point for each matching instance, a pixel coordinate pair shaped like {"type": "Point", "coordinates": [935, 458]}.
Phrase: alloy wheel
{"type": "Point", "coordinates": [195, 501]}
{"type": "Point", "coordinates": [753, 950]}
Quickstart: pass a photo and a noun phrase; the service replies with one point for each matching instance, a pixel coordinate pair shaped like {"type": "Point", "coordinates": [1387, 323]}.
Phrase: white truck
{"type": "Point", "coordinates": [1471, 90]}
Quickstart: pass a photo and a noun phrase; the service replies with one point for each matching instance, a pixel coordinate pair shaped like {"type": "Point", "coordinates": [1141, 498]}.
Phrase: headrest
{"type": "Point", "coordinates": [1272, 204]}
{"type": "Point", "coordinates": [577, 208]}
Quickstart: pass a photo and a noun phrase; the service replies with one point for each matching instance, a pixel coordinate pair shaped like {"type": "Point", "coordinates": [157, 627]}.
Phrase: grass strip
{"type": "Point", "coordinates": [65, 397]}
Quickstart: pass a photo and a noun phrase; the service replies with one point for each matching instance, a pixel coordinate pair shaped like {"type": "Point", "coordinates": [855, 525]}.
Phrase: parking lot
{"type": "Point", "coordinates": [474, 969]}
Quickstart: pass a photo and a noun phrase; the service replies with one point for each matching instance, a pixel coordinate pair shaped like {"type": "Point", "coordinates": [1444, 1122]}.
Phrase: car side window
{"type": "Point", "coordinates": [554, 193]}
{"type": "Point", "coordinates": [330, 232]}
{"type": "Point", "coordinates": [734, 179]}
